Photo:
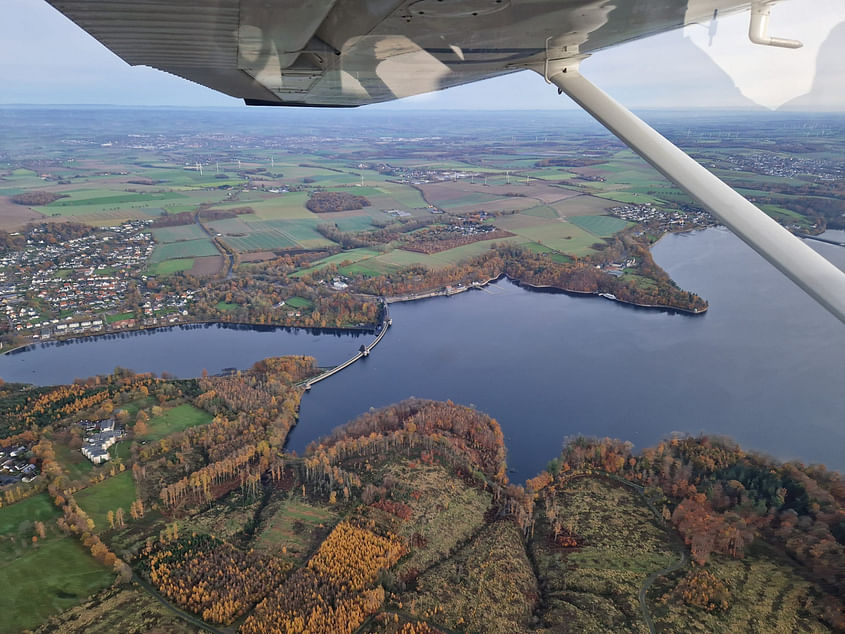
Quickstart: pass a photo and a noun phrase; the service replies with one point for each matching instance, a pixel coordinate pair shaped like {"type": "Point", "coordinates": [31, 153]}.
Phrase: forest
{"type": "Point", "coordinates": [416, 526]}
{"type": "Point", "coordinates": [581, 275]}
{"type": "Point", "coordinates": [321, 202]}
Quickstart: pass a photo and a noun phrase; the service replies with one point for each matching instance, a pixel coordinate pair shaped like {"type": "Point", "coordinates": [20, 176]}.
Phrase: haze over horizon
{"type": "Point", "coordinates": [46, 59]}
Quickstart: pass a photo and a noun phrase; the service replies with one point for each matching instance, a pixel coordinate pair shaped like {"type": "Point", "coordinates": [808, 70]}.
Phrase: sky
{"type": "Point", "coordinates": [46, 59]}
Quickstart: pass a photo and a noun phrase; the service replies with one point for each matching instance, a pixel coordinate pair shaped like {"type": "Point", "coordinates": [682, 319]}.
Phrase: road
{"type": "Point", "coordinates": [230, 258]}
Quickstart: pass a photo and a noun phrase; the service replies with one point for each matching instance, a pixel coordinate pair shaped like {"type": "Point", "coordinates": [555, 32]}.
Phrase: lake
{"type": "Point", "coordinates": [183, 351]}
{"type": "Point", "coordinates": [764, 365]}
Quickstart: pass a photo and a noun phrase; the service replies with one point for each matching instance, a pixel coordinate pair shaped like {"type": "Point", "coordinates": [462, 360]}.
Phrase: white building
{"type": "Point", "coordinates": [96, 447]}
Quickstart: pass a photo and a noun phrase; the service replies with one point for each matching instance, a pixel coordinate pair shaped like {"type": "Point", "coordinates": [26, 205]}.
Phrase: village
{"type": "Point", "coordinates": [670, 220]}
{"type": "Point", "coordinates": [85, 285]}
{"type": "Point", "coordinates": [15, 465]}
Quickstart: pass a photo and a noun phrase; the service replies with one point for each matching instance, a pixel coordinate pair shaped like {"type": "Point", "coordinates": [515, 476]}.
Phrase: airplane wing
{"type": "Point", "coordinates": [354, 52]}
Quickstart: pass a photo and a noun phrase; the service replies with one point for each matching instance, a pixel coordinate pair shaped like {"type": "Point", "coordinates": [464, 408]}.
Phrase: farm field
{"type": "Point", "coordinates": [14, 216]}
{"type": "Point", "coordinates": [186, 249]}
{"type": "Point", "coordinates": [280, 206]}
{"type": "Point", "coordinates": [558, 235]}
{"type": "Point", "coordinates": [632, 198]}
{"type": "Point", "coordinates": [169, 267]}
{"type": "Point", "coordinates": [179, 234]}
{"type": "Point", "coordinates": [541, 211]}
{"type": "Point", "coordinates": [352, 256]}
{"type": "Point", "coordinates": [582, 205]}
{"type": "Point", "coordinates": [354, 223]}
{"type": "Point", "coordinates": [250, 233]}
{"type": "Point", "coordinates": [603, 226]}
{"type": "Point", "coordinates": [102, 198]}
{"type": "Point", "coordinates": [112, 493]}
{"type": "Point", "coordinates": [208, 265]}
{"type": "Point", "coordinates": [303, 232]}
{"type": "Point", "coordinates": [260, 241]}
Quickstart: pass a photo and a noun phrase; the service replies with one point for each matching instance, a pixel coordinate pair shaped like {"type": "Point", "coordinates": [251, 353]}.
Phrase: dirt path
{"type": "Point", "coordinates": [650, 580]}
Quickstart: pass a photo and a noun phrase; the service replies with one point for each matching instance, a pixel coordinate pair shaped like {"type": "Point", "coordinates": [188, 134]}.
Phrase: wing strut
{"type": "Point", "coordinates": [813, 273]}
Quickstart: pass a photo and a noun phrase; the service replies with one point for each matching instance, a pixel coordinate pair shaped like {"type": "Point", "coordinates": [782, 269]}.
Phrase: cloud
{"type": "Point", "coordinates": [767, 75]}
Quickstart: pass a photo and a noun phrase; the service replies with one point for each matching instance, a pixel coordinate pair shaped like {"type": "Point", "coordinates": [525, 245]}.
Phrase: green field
{"type": "Point", "coordinates": [405, 195]}
{"type": "Point", "coordinates": [603, 226]}
{"type": "Point", "coordinates": [536, 247]}
{"type": "Point", "coordinates": [187, 249]}
{"type": "Point", "coordinates": [48, 579]}
{"type": "Point", "coordinates": [354, 223]}
{"type": "Point", "coordinates": [541, 211]}
{"type": "Point", "coordinates": [225, 306]}
{"type": "Point", "coordinates": [632, 198]}
{"type": "Point", "coordinates": [106, 197]}
{"type": "Point", "coordinates": [463, 201]}
{"type": "Point", "coordinates": [459, 254]}
{"type": "Point", "coordinates": [283, 206]}
{"type": "Point", "coordinates": [175, 419]}
{"type": "Point", "coordinates": [564, 237]}
{"type": "Point", "coordinates": [364, 267]}
{"type": "Point", "coordinates": [74, 463]}
{"type": "Point", "coordinates": [302, 232]}
{"type": "Point", "coordinates": [98, 499]}
{"type": "Point", "coordinates": [178, 234]}
{"type": "Point", "coordinates": [298, 302]}
{"type": "Point", "coordinates": [260, 241]}
{"type": "Point", "coordinates": [168, 267]}
{"type": "Point", "coordinates": [352, 256]}
{"type": "Point", "coordinates": [36, 508]}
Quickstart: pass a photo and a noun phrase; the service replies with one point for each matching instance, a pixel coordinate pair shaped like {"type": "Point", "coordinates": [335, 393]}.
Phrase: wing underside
{"type": "Point", "coordinates": [354, 52]}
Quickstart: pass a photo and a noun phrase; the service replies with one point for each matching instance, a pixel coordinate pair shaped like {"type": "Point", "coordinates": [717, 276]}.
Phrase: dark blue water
{"type": "Point", "coordinates": [183, 351]}
{"type": "Point", "coordinates": [765, 365]}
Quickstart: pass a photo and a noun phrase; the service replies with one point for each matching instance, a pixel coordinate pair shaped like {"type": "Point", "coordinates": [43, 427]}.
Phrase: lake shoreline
{"type": "Point", "coordinates": [194, 325]}
{"type": "Point", "coordinates": [539, 288]}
